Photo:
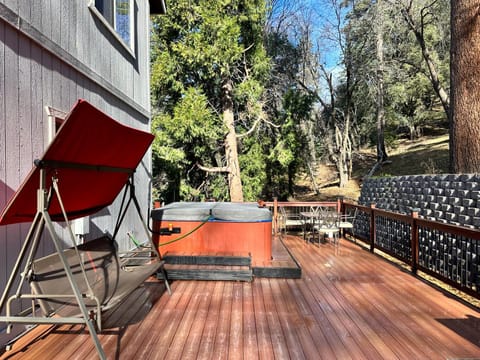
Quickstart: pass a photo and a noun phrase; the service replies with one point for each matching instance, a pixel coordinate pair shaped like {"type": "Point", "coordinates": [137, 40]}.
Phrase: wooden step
{"type": "Point", "coordinates": [222, 260]}
{"type": "Point", "coordinates": [282, 272]}
{"type": "Point", "coordinates": [207, 272]}
{"type": "Point", "coordinates": [282, 265]}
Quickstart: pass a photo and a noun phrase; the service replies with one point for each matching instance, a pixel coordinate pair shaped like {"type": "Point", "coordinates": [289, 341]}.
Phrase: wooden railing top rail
{"type": "Point", "coordinates": [473, 234]}
{"type": "Point", "coordinates": [392, 215]}
{"type": "Point", "coordinates": [298, 204]}
{"type": "Point", "coordinates": [363, 208]}
{"type": "Point", "coordinates": [301, 203]}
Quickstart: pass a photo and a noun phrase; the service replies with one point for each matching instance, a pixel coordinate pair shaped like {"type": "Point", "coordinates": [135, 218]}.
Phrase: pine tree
{"type": "Point", "coordinates": [209, 53]}
{"type": "Point", "coordinates": [465, 87]}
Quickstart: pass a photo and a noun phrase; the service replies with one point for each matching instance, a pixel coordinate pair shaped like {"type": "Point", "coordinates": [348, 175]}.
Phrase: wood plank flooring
{"type": "Point", "coordinates": [349, 304]}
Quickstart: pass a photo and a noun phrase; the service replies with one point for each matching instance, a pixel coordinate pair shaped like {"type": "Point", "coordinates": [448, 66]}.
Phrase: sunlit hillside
{"type": "Point", "coordinates": [427, 155]}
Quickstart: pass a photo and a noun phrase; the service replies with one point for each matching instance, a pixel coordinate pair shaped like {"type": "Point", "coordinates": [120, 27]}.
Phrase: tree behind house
{"type": "Point", "coordinates": [208, 70]}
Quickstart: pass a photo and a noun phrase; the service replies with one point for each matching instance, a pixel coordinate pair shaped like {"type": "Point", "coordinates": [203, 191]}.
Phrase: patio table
{"type": "Point", "coordinates": [312, 217]}
{"type": "Point", "coordinates": [309, 219]}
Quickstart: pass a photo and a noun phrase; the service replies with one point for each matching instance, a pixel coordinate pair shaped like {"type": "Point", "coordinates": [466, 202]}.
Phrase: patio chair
{"type": "Point", "coordinates": [289, 221]}
{"type": "Point", "coordinates": [311, 221]}
{"type": "Point", "coordinates": [347, 221]}
{"type": "Point", "coordinates": [326, 224]}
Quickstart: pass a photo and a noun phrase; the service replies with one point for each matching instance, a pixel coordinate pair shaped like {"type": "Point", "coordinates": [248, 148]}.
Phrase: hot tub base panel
{"type": "Point", "coordinates": [224, 267]}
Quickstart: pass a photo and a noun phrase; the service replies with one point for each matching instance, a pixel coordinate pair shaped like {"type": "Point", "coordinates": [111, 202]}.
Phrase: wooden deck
{"type": "Point", "coordinates": [349, 304]}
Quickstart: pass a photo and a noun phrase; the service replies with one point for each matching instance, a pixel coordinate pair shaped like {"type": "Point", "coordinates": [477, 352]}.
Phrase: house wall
{"type": "Point", "coordinates": [53, 52]}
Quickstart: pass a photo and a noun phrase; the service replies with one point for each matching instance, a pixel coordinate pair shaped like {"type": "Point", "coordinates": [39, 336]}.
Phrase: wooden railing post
{"type": "Point", "coordinates": [414, 240]}
{"type": "Point", "coordinates": [275, 216]}
{"type": "Point", "coordinates": [372, 227]}
{"type": "Point", "coordinates": [340, 204]}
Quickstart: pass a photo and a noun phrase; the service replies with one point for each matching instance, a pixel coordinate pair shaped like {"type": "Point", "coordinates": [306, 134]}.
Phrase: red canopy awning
{"type": "Point", "coordinates": [92, 156]}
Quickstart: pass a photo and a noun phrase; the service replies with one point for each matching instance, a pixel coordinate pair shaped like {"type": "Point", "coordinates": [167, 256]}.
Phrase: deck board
{"type": "Point", "coordinates": [277, 336]}
{"type": "Point", "coordinates": [250, 348]}
{"type": "Point", "coordinates": [265, 348]}
{"type": "Point", "coordinates": [222, 335]}
{"type": "Point", "coordinates": [349, 304]}
{"type": "Point", "coordinates": [209, 331]}
{"type": "Point", "coordinates": [192, 343]}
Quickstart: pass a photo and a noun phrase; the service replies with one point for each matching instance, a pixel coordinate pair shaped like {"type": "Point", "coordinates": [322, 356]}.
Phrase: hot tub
{"type": "Point", "coordinates": [216, 228]}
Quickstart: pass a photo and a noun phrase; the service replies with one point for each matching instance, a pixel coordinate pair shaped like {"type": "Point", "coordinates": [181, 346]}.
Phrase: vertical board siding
{"type": "Point", "coordinates": [46, 23]}
{"type": "Point", "coordinates": [24, 9]}
{"type": "Point", "coordinates": [66, 42]}
{"type": "Point", "coordinates": [75, 29]}
{"type": "Point", "coordinates": [39, 118]}
{"type": "Point", "coordinates": [12, 136]}
{"type": "Point", "coordinates": [12, 4]}
{"type": "Point", "coordinates": [25, 120]}
{"type": "Point", "coordinates": [143, 56]}
{"type": "Point", "coordinates": [36, 12]}
{"type": "Point", "coordinates": [4, 192]}
{"type": "Point", "coordinates": [25, 115]}
{"type": "Point", "coordinates": [3, 188]}
{"type": "Point", "coordinates": [47, 85]}
{"type": "Point", "coordinates": [55, 17]}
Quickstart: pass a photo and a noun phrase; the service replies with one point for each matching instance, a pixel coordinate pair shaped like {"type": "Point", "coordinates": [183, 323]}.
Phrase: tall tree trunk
{"type": "Point", "coordinates": [307, 128]}
{"type": "Point", "coordinates": [465, 87]}
{"type": "Point", "coordinates": [344, 147]}
{"type": "Point", "coordinates": [381, 151]}
{"type": "Point", "coordinates": [432, 69]}
{"type": "Point", "coordinates": [231, 150]}
{"type": "Point", "coordinates": [311, 173]}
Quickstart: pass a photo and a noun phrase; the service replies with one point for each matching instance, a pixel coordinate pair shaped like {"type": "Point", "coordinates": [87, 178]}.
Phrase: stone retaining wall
{"type": "Point", "coordinates": [449, 198]}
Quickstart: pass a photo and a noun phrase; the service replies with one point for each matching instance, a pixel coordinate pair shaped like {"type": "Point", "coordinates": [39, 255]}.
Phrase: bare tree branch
{"type": "Point", "coordinates": [222, 169]}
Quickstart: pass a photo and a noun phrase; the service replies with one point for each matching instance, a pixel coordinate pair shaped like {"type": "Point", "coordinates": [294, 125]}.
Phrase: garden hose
{"type": "Point", "coordinates": [131, 237]}
{"type": "Point", "coordinates": [185, 235]}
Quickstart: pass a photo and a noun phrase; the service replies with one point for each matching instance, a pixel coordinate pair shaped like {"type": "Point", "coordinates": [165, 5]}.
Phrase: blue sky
{"type": "Point", "coordinates": [321, 16]}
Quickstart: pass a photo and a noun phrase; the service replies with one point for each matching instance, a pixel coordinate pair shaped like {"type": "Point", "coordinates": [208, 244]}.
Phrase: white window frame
{"type": "Point", "coordinates": [129, 47]}
{"type": "Point", "coordinates": [55, 120]}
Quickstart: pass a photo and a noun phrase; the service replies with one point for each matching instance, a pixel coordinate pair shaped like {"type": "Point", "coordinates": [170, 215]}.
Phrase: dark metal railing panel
{"type": "Point", "coordinates": [450, 255]}
{"type": "Point", "coordinates": [394, 236]}
{"type": "Point", "coordinates": [362, 225]}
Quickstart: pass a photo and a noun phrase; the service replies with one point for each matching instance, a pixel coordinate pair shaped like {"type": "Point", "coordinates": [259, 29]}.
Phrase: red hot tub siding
{"type": "Point", "coordinates": [217, 237]}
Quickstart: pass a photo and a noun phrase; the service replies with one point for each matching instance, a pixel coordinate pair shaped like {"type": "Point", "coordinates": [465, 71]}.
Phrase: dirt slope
{"type": "Point", "coordinates": [427, 155]}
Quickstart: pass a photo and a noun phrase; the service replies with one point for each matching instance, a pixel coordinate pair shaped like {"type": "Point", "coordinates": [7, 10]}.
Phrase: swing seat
{"type": "Point", "coordinates": [110, 277]}
{"type": "Point", "coordinates": [88, 163]}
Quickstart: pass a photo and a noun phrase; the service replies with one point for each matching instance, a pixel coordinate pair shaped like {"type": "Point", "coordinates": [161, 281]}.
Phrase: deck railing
{"type": "Point", "coordinates": [447, 252]}
{"type": "Point", "coordinates": [294, 209]}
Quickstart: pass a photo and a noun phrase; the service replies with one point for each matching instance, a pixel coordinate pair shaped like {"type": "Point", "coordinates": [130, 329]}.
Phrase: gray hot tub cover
{"type": "Point", "coordinates": [213, 211]}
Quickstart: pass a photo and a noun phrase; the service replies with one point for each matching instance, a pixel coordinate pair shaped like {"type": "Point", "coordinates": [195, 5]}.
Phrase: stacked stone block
{"type": "Point", "coordinates": [449, 198]}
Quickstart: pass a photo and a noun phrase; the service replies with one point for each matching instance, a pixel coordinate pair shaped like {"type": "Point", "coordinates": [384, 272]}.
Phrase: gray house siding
{"type": "Point", "coordinates": [53, 52]}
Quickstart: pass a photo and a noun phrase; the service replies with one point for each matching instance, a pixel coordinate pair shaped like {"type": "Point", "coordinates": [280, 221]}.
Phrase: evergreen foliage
{"type": "Point", "coordinates": [292, 106]}
{"type": "Point", "coordinates": [197, 47]}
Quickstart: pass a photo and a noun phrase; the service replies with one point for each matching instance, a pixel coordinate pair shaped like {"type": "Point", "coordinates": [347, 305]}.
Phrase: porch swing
{"type": "Point", "coordinates": [83, 170]}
